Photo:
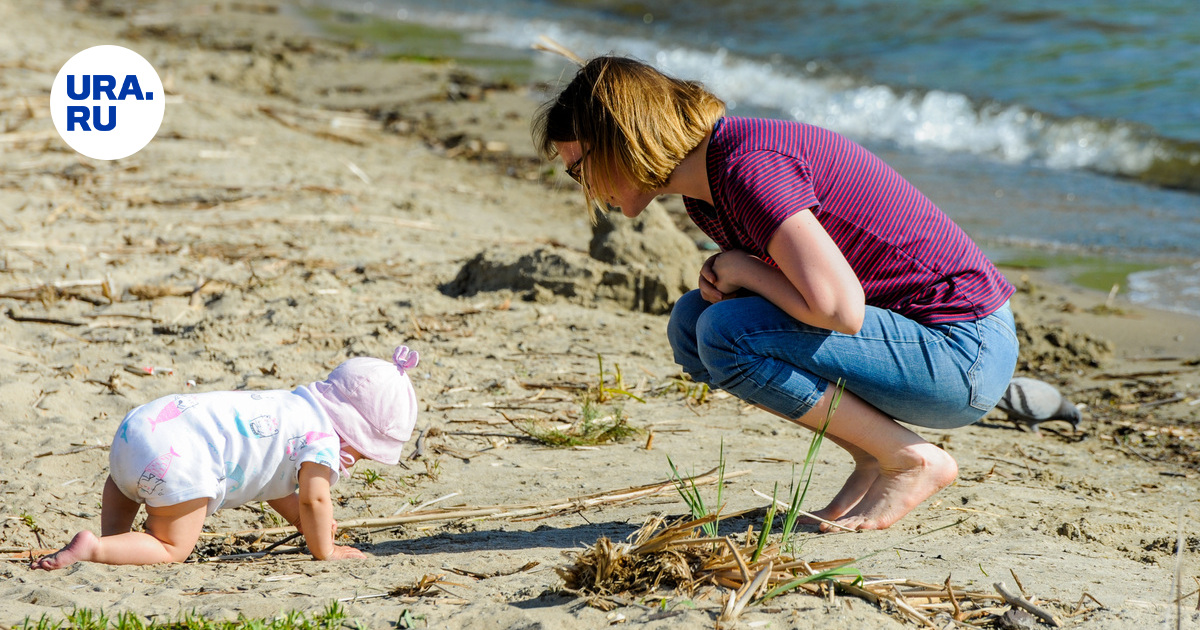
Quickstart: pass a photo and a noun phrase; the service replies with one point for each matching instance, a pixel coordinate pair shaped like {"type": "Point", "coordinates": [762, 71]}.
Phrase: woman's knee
{"type": "Point", "coordinates": [684, 314]}
{"type": "Point", "coordinates": [682, 332]}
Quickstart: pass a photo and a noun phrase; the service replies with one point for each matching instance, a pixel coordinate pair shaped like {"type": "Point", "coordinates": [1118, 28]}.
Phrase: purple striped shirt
{"type": "Point", "coordinates": [908, 255]}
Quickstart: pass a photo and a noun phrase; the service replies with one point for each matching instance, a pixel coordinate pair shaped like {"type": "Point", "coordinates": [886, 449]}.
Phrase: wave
{"type": "Point", "coordinates": [920, 120]}
{"type": "Point", "coordinates": [1173, 288]}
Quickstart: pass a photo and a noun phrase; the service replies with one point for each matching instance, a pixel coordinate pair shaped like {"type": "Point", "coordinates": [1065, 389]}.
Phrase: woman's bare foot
{"type": "Point", "coordinates": [919, 472]}
{"type": "Point", "coordinates": [853, 490]}
{"type": "Point", "coordinates": [81, 547]}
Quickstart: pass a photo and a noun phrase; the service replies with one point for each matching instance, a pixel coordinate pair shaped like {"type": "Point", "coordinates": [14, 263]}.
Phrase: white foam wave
{"type": "Point", "coordinates": [1171, 288]}
{"type": "Point", "coordinates": [918, 120]}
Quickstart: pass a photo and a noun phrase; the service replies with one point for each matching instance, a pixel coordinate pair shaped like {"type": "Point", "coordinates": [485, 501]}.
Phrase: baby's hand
{"type": "Point", "coordinates": [346, 553]}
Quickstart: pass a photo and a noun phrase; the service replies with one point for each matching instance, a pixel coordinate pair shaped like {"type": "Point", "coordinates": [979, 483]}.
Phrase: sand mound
{"type": "Point", "coordinates": [643, 264]}
{"type": "Point", "coordinates": [1057, 350]}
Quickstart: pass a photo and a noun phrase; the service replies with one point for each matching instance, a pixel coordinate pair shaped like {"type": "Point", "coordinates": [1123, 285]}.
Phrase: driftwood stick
{"type": "Point", "coordinates": [506, 511]}
{"type": "Point", "coordinates": [42, 320]}
{"type": "Point", "coordinates": [1024, 604]}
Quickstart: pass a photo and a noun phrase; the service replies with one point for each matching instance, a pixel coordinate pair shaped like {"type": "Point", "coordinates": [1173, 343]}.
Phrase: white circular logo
{"type": "Point", "coordinates": [107, 102]}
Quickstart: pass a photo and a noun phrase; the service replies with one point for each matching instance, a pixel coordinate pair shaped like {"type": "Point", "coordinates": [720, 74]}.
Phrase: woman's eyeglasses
{"type": "Point", "coordinates": [575, 169]}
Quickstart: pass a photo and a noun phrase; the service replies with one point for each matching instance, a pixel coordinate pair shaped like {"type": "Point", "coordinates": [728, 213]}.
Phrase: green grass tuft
{"type": "Point", "coordinates": [331, 618]}
{"type": "Point", "coordinates": [591, 430]}
{"type": "Point", "coordinates": [694, 500]}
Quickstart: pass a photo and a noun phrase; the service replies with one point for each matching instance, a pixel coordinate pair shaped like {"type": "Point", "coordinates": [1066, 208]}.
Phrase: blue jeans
{"type": "Point", "coordinates": [941, 376]}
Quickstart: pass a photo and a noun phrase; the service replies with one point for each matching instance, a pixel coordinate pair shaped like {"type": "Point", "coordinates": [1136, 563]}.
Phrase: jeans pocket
{"type": "Point", "coordinates": [989, 376]}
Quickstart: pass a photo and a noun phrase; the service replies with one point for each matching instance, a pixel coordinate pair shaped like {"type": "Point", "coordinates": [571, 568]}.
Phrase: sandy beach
{"type": "Point", "coordinates": [306, 201]}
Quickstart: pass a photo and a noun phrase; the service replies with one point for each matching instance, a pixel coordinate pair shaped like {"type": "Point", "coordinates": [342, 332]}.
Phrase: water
{"type": "Point", "coordinates": [1073, 129]}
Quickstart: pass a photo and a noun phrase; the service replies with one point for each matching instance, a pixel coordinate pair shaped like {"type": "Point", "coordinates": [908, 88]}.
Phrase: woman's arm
{"type": "Point", "coordinates": [316, 514]}
{"type": "Point", "coordinates": [814, 282]}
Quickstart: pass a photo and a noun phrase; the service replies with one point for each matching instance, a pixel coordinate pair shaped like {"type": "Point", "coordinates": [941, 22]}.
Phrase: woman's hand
{"type": "Point", "coordinates": [719, 277]}
{"type": "Point", "coordinates": [708, 282]}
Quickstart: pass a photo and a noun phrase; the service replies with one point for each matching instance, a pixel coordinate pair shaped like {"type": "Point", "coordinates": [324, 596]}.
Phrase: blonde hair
{"type": "Point", "coordinates": [629, 119]}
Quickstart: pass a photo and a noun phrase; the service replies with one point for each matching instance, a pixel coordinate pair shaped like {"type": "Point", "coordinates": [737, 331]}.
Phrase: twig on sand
{"type": "Point", "coordinates": [1082, 598]}
{"type": "Point", "coordinates": [547, 508]}
{"type": "Point", "coordinates": [485, 576]}
{"type": "Point", "coordinates": [1024, 604]}
{"type": "Point", "coordinates": [42, 320]}
{"type": "Point", "coordinates": [284, 120]}
{"type": "Point", "coordinates": [255, 554]}
{"type": "Point", "coordinates": [787, 506]}
{"type": "Point", "coordinates": [405, 600]}
{"type": "Point", "coordinates": [78, 448]}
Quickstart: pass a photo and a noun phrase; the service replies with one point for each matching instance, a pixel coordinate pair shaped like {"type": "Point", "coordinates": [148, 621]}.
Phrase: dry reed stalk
{"type": "Point", "coordinates": [787, 506]}
{"type": "Point", "coordinates": [1016, 601]}
{"type": "Point", "coordinates": [289, 120]}
{"type": "Point", "coordinates": [547, 508]}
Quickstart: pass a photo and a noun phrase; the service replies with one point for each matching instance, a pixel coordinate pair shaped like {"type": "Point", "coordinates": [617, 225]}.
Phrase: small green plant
{"type": "Point", "coordinates": [433, 467]}
{"type": "Point", "coordinates": [370, 476]}
{"type": "Point", "coordinates": [27, 518]}
{"type": "Point", "coordinates": [603, 392]}
{"type": "Point", "coordinates": [768, 522]}
{"type": "Point", "coordinates": [800, 490]}
{"type": "Point", "coordinates": [692, 497]}
{"type": "Point", "coordinates": [591, 430]}
{"type": "Point", "coordinates": [332, 618]}
{"type": "Point", "coordinates": [693, 393]}
{"type": "Point", "coordinates": [87, 619]}
{"type": "Point", "coordinates": [408, 620]}
{"type": "Point", "coordinates": [129, 621]}
{"type": "Point", "coordinates": [270, 516]}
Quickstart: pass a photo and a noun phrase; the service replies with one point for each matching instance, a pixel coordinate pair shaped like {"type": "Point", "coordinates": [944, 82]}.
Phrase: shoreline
{"type": "Point", "coordinates": [400, 40]}
{"type": "Point", "coordinates": [303, 204]}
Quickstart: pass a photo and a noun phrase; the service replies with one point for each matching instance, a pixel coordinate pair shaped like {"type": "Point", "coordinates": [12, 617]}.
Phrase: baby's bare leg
{"type": "Point", "coordinates": [117, 511]}
{"type": "Point", "coordinates": [910, 469]}
{"type": "Point", "coordinates": [171, 535]}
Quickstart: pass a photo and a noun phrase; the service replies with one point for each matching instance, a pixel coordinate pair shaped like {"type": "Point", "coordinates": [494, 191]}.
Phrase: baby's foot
{"type": "Point", "coordinates": [925, 469]}
{"type": "Point", "coordinates": [81, 547]}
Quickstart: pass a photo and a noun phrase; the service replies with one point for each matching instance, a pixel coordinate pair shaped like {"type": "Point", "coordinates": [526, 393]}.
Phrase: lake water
{"type": "Point", "coordinates": [1064, 134]}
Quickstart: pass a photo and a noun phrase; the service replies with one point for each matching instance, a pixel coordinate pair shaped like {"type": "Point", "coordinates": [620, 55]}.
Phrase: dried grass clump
{"type": "Point", "coordinates": [607, 569]}
{"type": "Point", "coordinates": [681, 558]}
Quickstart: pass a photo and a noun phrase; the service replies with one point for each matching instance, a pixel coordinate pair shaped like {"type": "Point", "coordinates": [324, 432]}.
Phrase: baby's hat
{"type": "Point", "coordinates": [372, 403]}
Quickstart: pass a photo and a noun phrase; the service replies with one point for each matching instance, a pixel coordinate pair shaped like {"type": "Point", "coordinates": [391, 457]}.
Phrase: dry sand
{"type": "Point", "coordinates": [304, 202]}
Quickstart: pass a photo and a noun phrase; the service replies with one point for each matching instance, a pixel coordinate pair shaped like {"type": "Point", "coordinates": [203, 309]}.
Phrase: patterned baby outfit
{"type": "Point", "coordinates": [229, 447]}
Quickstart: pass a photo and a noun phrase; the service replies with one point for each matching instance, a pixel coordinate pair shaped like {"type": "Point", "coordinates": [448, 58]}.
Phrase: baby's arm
{"type": "Point", "coordinates": [289, 508]}
{"type": "Point", "coordinates": [316, 514]}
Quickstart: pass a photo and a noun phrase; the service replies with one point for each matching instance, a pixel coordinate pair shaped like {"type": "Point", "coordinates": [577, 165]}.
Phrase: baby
{"type": "Point", "coordinates": [186, 456]}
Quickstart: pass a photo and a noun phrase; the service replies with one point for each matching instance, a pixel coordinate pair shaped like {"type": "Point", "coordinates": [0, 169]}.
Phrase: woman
{"type": "Point", "coordinates": [831, 266]}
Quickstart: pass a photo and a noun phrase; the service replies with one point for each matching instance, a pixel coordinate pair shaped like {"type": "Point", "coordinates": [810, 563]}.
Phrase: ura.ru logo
{"type": "Point", "coordinates": [98, 87]}
{"type": "Point", "coordinates": [107, 102]}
